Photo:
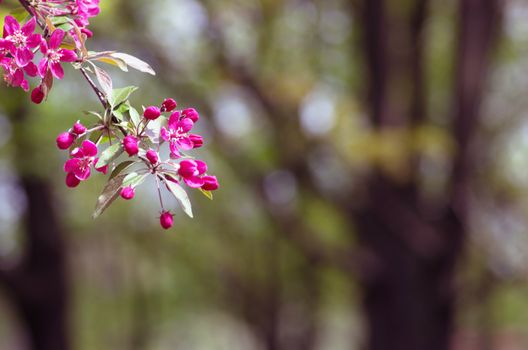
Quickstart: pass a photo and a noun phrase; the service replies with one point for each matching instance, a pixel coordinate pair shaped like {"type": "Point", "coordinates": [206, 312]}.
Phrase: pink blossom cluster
{"type": "Point", "coordinates": [18, 47]}
{"type": "Point", "coordinates": [120, 132]}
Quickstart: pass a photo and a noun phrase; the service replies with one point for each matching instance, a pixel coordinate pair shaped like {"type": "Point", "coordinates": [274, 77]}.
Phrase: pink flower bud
{"type": "Point", "coordinates": [152, 156]}
{"type": "Point", "coordinates": [166, 220]}
{"type": "Point", "coordinates": [210, 183]}
{"type": "Point", "coordinates": [191, 114]}
{"type": "Point", "coordinates": [128, 193]}
{"type": "Point", "coordinates": [37, 95]}
{"type": "Point", "coordinates": [197, 140]}
{"type": "Point", "coordinates": [72, 181]}
{"type": "Point", "coordinates": [152, 113]}
{"type": "Point", "coordinates": [168, 105]}
{"type": "Point", "coordinates": [88, 32]}
{"type": "Point", "coordinates": [78, 128]}
{"type": "Point", "coordinates": [65, 140]}
{"type": "Point", "coordinates": [130, 144]}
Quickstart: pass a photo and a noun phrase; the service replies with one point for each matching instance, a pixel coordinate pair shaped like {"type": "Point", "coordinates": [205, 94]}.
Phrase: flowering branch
{"type": "Point", "coordinates": [120, 128]}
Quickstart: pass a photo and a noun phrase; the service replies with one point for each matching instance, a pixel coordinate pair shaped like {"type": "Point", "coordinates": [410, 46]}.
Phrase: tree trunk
{"type": "Point", "coordinates": [409, 297]}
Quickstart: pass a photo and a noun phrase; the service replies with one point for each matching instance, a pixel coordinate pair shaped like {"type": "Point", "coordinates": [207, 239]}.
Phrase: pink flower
{"type": "Point", "coordinates": [20, 41]}
{"type": "Point", "coordinates": [53, 55]}
{"type": "Point", "coordinates": [152, 156]}
{"type": "Point", "coordinates": [78, 128]}
{"type": "Point", "coordinates": [210, 183]}
{"type": "Point", "coordinates": [37, 95]}
{"type": "Point", "coordinates": [14, 75]}
{"type": "Point", "coordinates": [152, 113]}
{"type": "Point", "coordinates": [128, 193]}
{"type": "Point", "coordinates": [197, 140]}
{"type": "Point", "coordinates": [130, 144]}
{"type": "Point", "coordinates": [83, 159]}
{"type": "Point", "coordinates": [191, 114]}
{"type": "Point", "coordinates": [168, 105]}
{"type": "Point", "coordinates": [191, 171]}
{"type": "Point", "coordinates": [177, 134]}
{"type": "Point", "coordinates": [166, 220]}
{"type": "Point", "coordinates": [65, 140]}
{"type": "Point", "coordinates": [72, 181]}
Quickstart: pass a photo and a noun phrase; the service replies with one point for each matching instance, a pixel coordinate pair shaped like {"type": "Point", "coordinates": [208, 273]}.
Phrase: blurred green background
{"type": "Point", "coordinates": [280, 87]}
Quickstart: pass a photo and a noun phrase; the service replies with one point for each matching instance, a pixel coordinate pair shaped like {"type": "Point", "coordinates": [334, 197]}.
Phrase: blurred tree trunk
{"type": "Point", "coordinates": [37, 285]}
{"type": "Point", "coordinates": [409, 295]}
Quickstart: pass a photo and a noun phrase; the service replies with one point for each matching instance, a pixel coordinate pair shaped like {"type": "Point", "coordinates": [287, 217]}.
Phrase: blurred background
{"type": "Point", "coordinates": [373, 161]}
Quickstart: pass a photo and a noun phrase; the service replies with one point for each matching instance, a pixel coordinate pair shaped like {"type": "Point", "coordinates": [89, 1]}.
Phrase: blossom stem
{"type": "Point", "coordinates": [159, 193]}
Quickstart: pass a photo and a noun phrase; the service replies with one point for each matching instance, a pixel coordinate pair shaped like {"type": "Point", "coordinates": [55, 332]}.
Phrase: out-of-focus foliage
{"type": "Point", "coordinates": [274, 80]}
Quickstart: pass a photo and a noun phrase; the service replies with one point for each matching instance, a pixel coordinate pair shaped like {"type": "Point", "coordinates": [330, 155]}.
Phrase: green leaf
{"type": "Point", "coordinates": [104, 80]}
{"type": "Point", "coordinates": [134, 116]}
{"type": "Point", "coordinates": [121, 167]}
{"type": "Point", "coordinates": [181, 197]}
{"type": "Point", "coordinates": [113, 61]}
{"type": "Point", "coordinates": [109, 155]}
{"type": "Point", "coordinates": [108, 195]}
{"type": "Point", "coordinates": [134, 62]}
{"type": "Point", "coordinates": [208, 194]}
{"type": "Point", "coordinates": [119, 96]}
{"type": "Point", "coordinates": [134, 179]}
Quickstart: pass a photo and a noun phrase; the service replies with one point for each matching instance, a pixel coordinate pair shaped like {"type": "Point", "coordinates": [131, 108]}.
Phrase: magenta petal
{"type": "Point", "coordinates": [174, 150]}
{"type": "Point", "coordinates": [185, 124]}
{"type": "Point", "coordinates": [173, 120]}
{"type": "Point", "coordinates": [71, 165]}
{"type": "Point", "coordinates": [23, 56]}
{"type": "Point", "coordinates": [164, 133]}
{"type": "Point", "coordinates": [43, 67]}
{"type": "Point", "coordinates": [89, 148]}
{"type": "Point", "coordinates": [56, 70]}
{"type": "Point", "coordinates": [18, 78]}
{"type": "Point", "coordinates": [82, 173]}
{"type": "Point", "coordinates": [185, 143]}
{"type": "Point", "coordinates": [194, 182]}
{"type": "Point", "coordinates": [201, 166]}
{"type": "Point", "coordinates": [187, 168]}
{"type": "Point", "coordinates": [24, 85]}
{"type": "Point", "coordinates": [10, 25]}
{"type": "Point", "coordinates": [34, 40]}
{"type": "Point", "coordinates": [56, 39]}
{"type": "Point", "coordinates": [31, 69]}
{"type": "Point", "coordinates": [68, 55]}
{"type": "Point", "coordinates": [44, 47]}
{"type": "Point", "coordinates": [29, 27]}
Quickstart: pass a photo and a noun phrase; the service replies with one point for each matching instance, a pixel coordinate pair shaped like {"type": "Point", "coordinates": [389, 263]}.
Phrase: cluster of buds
{"type": "Point", "coordinates": [123, 142]}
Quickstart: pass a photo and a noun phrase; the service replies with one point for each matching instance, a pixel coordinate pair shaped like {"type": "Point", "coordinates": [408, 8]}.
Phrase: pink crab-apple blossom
{"type": "Point", "coordinates": [65, 140]}
{"type": "Point", "coordinates": [130, 144]}
{"type": "Point", "coordinates": [83, 159]}
{"type": "Point", "coordinates": [168, 105]}
{"type": "Point", "coordinates": [54, 55]}
{"type": "Point", "coordinates": [196, 140]}
{"type": "Point", "coordinates": [152, 156]}
{"type": "Point", "coordinates": [166, 220]}
{"type": "Point", "coordinates": [177, 135]}
{"type": "Point", "coordinates": [191, 171]}
{"type": "Point", "coordinates": [14, 74]}
{"type": "Point", "coordinates": [210, 183]}
{"type": "Point", "coordinates": [20, 40]}
{"type": "Point", "coordinates": [78, 128]}
{"type": "Point", "coordinates": [127, 193]}
{"type": "Point", "coordinates": [191, 113]}
{"type": "Point", "coordinates": [37, 95]}
{"type": "Point", "coordinates": [152, 113]}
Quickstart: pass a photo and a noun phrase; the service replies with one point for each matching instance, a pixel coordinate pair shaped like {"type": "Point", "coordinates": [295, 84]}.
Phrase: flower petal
{"type": "Point", "coordinates": [194, 182]}
{"type": "Point", "coordinates": [29, 27]}
{"type": "Point", "coordinates": [201, 166]}
{"type": "Point", "coordinates": [23, 56]}
{"type": "Point", "coordinates": [56, 39]}
{"type": "Point", "coordinates": [10, 25]}
{"type": "Point", "coordinates": [185, 143]}
{"type": "Point", "coordinates": [67, 55]}
{"type": "Point", "coordinates": [71, 165]}
{"type": "Point", "coordinates": [56, 70]}
{"type": "Point", "coordinates": [173, 120]}
{"type": "Point", "coordinates": [185, 124]}
{"type": "Point", "coordinates": [82, 173]}
{"type": "Point", "coordinates": [43, 67]}
{"type": "Point", "coordinates": [34, 40]}
{"type": "Point", "coordinates": [89, 148]}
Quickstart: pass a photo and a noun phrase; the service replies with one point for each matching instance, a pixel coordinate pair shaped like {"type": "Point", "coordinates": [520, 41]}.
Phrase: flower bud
{"type": "Point", "coordinates": [152, 156]}
{"type": "Point", "coordinates": [166, 220]}
{"type": "Point", "coordinates": [72, 181]}
{"type": "Point", "coordinates": [37, 95]}
{"type": "Point", "coordinates": [65, 140]}
{"type": "Point", "coordinates": [130, 144]}
{"type": "Point", "coordinates": [152, 113]}
{"type": "Point", "coordinates": [197, 140]}
{"type": "Point", "coordinates": [128, 193]}
{"type": "Point", "coordinates": [210, 183]}
{"type": "Point", "coordinates": [191, 114]}
{"type": "Point", "coordinates": [168, 105]}
{"type": "Point", "coordinates": [78, 128]}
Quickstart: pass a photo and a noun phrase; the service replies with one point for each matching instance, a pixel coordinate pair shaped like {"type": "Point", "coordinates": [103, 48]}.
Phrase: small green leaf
{"type": "Point", "coordinates": [134, 116]}
{"type": "Point", "coordinates": [181, 196]}
{"type": "Point", "coordinates": [121, 167]}
{"type": "Point", "coordinates": [134, 179]}
{"type": "Point", "coordinates": [119, 96]}
{"type": "Point", "coordinates": [109, 155]}
{"type": "Point", "coordinates": [208, 194]}
{"type": "Point", "coordinates": [108, 195]}
{"type": "Point", "coordinates": [134, 62]}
